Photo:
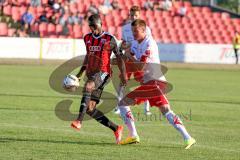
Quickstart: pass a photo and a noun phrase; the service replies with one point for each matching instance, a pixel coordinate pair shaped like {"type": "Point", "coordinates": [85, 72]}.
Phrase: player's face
{"type": "Point", "coordinates": [134, 15]}
{"type": "Point", "coordinates": [96, 29]}
{"type": "Point", "coordinates": [139, 33]}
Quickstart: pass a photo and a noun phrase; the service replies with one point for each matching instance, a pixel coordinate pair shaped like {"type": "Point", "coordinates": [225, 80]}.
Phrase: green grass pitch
{"type": "Point", "coordinates": [208, 100]}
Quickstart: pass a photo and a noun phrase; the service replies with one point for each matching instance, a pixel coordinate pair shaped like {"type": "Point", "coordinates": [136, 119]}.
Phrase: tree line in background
{"type": "Point", "coordinates": [232, 5]}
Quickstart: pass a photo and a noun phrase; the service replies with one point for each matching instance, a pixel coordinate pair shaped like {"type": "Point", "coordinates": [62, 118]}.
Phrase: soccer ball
{"type": "Point", "coordinates": [70, 83]}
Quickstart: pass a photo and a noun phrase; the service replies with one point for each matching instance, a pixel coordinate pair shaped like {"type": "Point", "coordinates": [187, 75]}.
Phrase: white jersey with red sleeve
{"type": "Point", "coordinates": [147, 52]}
{"type": "Point", "coordinates": [127, 34]}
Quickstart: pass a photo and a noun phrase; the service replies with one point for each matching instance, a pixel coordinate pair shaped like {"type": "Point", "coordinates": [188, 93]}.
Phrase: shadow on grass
{"type": "Point", "coordinates": [4, 140]}
{"type": "Point", "coordinates": [95, 143]}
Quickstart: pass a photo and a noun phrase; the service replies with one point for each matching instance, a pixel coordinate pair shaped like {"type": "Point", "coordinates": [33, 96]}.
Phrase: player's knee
{"type": "Point", "coordinates": [121, 103]}
{"type": "Point", "coordinates": [165, 108]}
{"type": "Point", "coordinates": [89, 87]}
{"type": "Point", "coordinates": [91, 106]}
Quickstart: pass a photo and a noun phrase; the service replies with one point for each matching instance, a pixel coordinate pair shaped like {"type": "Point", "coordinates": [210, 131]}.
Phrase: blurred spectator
{"type": "Point", "coordinates": [236, 45]}
{"type": "Point", "coordinates": [43, 17]}
{"type": "Point", "coordinates": [64, 19]}
{"type": "Point", "coordinates": [148, 5]}
{"type": "Point", "coordinates": [22, 33]}
{"type": "Point", "coordinates": [56, 7]}
{"type": "Point", "coordinates": [105, 7]}
{"type": "Point", "coordinates": [93, 9]}
{"type": "Point", "coordinates": [72, 1]}
{"type": "Point", "coordinates": [115, 5]}
{"type": "Point", "coordinates": [2, 3]}
{"type": "Point", "coordinates": [54, 19]}
{"type": "Point", "coordinates": [167, 5]}
{"type": "Point", "coordinates": [27, 20]}
{"type": "Point", "coordinates": [81, 18]}
{"type": "Point", "coordinates": [182, 11]}
{"type": "Point", "coordinates": [74, 19]}
{"type": "Point", "coordinates": [51, 2]}
{"type": "Point", "coordinates": [156, 6]}
{"type": "Point", "coordinates": [35, 3]}
{"type": "Point", "coordinates": [65, 30]}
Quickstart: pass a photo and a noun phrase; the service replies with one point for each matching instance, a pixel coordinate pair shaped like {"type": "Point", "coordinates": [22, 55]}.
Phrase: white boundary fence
{"type": "Point", "coordinates": [48, 48]}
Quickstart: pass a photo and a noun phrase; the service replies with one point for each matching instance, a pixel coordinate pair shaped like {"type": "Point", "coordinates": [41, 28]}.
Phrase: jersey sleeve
{"type": "Point", "coordinates": [148, 31]}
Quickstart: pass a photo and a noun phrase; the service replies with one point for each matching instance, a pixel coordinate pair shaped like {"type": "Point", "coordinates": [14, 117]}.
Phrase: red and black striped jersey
{"type": "Point", "coordinates": [99, 51]}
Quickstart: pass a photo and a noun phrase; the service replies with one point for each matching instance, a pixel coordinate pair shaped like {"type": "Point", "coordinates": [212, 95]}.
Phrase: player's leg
{"type": "Point", "coordinates": [147, 108]}
{"type": "Point", "coordinates": [176, 122]}
{"type": "Point", "coordinates": [236, 54]}
{"type": "Point", "coordinates": [87, 91]}
{"type": "Point", "coordinates": [120, 94]}
{"type": "Point", "coordinates": [101, 118]}
{"type": "Point", "coordinates": [128, 119]}
{"type": "Point", "coordinates": [119, 97]}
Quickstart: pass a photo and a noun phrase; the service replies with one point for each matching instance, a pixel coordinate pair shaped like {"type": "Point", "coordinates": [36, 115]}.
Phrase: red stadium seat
{"type": "Point", "coordinates": [43, 29]}
{"type": "Point", "coordinates": [3, 29]}
{"type": "Point", "coordinates": [76, 28]}
{"type": "Point", "coordinates": [23, 9]}
{"type": "Point", "coordinates": [78, 35]}
{"type": "Point", "coordinates": [112, 30]}
{"type": "Point", "coordinates": [44, 2]}
{"type": "Point", "coordinates": [22, 2]}
{"type": "Point", "coordinates": [73, 7]}
{"type": "Point", "coordinates": [81, 8]}
{"type": "Point", "coordinates": [59, 29]}
{"type": "Point", "coordinates": [53, 36]}
{"type": "Point", "coordinates": [35, 27]}
{"type": "Point", "coordinates": [11, 32]}
{"type": "Point", "coordinates": [16, 16]}
{"type": "Point", "coordinates": [7, 10]}
{"type": "Point", "coordinates": [51, 29]}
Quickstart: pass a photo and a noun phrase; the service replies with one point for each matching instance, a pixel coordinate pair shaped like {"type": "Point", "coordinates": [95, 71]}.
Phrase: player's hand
{"type": "Point", "coordinates": [125, 46]}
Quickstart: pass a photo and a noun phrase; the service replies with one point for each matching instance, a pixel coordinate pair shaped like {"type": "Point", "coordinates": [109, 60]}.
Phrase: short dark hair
{"type": "Point", "coordinates": [139, 22]}
{"type": "Point", "coordinates": [94, 19]}
{"type": "Point", "coordinates": [135, 9]}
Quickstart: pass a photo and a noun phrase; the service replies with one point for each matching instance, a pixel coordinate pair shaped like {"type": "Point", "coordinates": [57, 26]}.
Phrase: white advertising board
{"type": "Point", "coordinates": [49, 48]}
{"type": "Point", "coordinates": [19, 47]}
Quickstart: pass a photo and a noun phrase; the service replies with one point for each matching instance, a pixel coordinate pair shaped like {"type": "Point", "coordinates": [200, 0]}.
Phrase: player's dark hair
{"type": "Point", "coordinates": [94, 19]}
{"type": "Point", "coordinates": [135, 9]}
{"type": "Point", "coordinates": [139, 22]}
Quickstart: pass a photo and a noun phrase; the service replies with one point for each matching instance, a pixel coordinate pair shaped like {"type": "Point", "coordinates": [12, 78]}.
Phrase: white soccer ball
{"type": "Point", "coordinates": [70, 83]}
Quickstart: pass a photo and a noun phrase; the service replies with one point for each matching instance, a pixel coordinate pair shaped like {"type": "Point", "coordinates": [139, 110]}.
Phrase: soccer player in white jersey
{"type": "Point", "coordinates": [152, 86]}
{"type": "Point", "coordinates": [127, 38]}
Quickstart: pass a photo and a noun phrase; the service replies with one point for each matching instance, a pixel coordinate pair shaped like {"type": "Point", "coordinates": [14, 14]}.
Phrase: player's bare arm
{"type": "Point", "coordinates": [138, 65]}
{"type": "Point", "coordinates": [120, 61]}
{"type": "Point", "coordinates": [83, 68]}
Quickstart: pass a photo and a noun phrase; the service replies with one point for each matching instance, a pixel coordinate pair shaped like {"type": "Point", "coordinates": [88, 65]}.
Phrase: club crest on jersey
{"type": "Point", "coordinates": [103, 41]}
{"type": "Point", "coordinates": [95, 48]}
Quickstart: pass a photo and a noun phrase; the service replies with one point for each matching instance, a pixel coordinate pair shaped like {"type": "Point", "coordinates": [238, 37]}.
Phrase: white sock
{"type": "Point", "coordinates": [128, 118]}
{"type": "Point", "coordinates": [146, 106]}
{"type": "Point", "coordinates": [175, 121]}
{"type": "Point", "coordinates": [119, 94]}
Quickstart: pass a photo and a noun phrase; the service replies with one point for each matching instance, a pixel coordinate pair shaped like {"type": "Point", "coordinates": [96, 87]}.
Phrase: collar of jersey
{"type": "Point", "coordinates": [99, 35]}
{"type": "Point", "coordinates": [147, 36]}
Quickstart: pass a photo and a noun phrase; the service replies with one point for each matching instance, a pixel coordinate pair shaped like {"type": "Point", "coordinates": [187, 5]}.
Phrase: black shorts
{"type": "Point", "coordinates": [100, 79]}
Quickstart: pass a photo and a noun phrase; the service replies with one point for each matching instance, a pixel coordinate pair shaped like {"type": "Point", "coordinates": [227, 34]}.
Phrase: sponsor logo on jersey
{"type": "Point", "coordinates": [95, 48]}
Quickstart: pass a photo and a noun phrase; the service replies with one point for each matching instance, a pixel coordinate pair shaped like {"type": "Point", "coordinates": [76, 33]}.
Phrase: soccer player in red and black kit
{"type": "Point", "coordinates": [99, 46]}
